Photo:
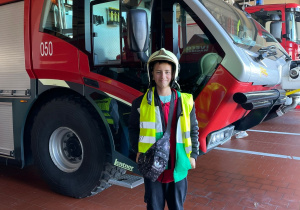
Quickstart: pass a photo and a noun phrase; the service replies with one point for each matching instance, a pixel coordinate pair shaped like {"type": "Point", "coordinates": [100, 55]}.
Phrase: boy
{"type": "Point", "coordinates": [171, 185]}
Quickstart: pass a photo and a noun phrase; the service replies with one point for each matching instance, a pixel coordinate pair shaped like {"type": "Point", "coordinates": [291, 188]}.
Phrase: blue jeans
{"type": "Point", "coordinates": [156, 193]}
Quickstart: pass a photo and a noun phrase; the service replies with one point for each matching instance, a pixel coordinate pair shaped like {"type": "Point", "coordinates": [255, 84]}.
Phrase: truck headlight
{"type": "Point", "coordinates": [219, 137]}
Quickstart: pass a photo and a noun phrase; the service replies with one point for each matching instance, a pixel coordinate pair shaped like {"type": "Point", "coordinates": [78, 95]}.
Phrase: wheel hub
{"type": "Point", "coordinates": [66, 149]}
{"type": "Point", "coordinates": [72, 148]}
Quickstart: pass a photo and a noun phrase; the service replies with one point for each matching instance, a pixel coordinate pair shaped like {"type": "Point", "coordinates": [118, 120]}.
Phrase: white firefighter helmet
{"type": "Point", "coordinates": [164, 55]}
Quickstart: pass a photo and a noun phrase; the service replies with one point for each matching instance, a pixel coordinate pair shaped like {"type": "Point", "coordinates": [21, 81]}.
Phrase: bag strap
{"type": "Point", "coordinates": [170, 116]}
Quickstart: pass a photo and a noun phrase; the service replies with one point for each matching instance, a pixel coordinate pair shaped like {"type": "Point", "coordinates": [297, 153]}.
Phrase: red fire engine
{"type": "Point", "coordinates": [70, 69]}
{"type": "Point", "coordinates": [287, 17]}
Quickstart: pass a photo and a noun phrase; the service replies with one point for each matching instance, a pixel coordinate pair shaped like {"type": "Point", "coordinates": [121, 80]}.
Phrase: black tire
{"type": "Point", "coordinates": [68, 147]}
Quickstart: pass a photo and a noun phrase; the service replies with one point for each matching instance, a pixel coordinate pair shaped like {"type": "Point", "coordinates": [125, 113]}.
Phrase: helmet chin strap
{"type": "Point", "coordinates": [149, 95]}
{"type": "Point", "coordinates": [174, 84]}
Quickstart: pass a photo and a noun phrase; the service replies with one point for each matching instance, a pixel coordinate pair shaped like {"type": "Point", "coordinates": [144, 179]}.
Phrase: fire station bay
{"type": "Point", "coordinates": [71, 129]}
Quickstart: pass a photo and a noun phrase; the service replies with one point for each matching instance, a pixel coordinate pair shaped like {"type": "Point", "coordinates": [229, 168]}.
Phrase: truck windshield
{"type": "Point", "coordinates": [244, 31]}
{"type": "Point", "coordinates": [293, 26]}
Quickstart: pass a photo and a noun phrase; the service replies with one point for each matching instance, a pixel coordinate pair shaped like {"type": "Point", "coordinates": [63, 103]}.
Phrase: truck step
{"type": "Point", "coordinates": [127, 180]}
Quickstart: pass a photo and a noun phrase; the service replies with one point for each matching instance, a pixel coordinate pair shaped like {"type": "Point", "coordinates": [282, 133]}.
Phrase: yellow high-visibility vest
{"type": "Point", "coordinates": [151, 125]}
{"type": "Point", "coordinates": [104, 106]}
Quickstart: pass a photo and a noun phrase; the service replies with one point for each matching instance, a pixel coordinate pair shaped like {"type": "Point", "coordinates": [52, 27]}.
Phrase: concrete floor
{"type": "Point", "coordinates": [260, 171]}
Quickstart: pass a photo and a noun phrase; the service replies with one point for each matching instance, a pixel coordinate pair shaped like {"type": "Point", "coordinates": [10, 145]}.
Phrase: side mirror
{"type": "Point", "coordinates": [276, 30]}
{"type": "Point", "coordinates": [138, 33]}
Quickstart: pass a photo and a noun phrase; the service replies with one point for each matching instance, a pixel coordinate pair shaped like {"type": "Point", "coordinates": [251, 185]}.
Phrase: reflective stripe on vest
{"type": "Point", "coordinates": [184, 123]}
{"type": "Point", "coordinates": [150, 124]}
{"type": "Point", "coordinates": [104, 106]}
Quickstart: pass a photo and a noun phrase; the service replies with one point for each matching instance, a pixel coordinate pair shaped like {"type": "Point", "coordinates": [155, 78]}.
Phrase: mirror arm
{"type": "Point", "coordinates": [142, 56]}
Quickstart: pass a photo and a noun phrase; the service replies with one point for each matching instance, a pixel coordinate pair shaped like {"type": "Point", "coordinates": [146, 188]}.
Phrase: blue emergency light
{"type": "Point", "coordinates": [259, 2]}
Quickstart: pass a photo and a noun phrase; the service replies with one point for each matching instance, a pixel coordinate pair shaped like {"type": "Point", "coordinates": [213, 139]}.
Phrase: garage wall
{"type": "Point", "coordinates": [281, 1]}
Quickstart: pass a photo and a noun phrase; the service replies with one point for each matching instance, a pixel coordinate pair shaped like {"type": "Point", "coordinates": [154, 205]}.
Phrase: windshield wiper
{"type": "Point", "coordinates": [265, 52]}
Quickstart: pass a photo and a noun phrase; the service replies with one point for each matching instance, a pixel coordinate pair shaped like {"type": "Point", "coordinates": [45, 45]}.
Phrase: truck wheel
{"type": "Point", "coordinates": [68, 147]}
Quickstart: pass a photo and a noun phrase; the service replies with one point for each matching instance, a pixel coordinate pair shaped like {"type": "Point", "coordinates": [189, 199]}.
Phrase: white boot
{"type": "Point", "coordinates": [241, 134]}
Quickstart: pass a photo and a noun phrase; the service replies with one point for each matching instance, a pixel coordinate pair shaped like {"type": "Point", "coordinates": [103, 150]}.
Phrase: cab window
{"type": "Point", "coordinates": [57, 18]}
{"type": "Point", "coordinates": [109, 45]}
{"type": "Point", "coordinates": [200, 53]}
{"type": "Point", "coordinates": [106, 32]}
